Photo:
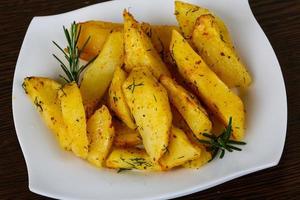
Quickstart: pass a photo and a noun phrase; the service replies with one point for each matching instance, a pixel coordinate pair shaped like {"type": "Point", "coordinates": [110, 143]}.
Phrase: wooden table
{"type": "Point", "coordinates": [280, 20]}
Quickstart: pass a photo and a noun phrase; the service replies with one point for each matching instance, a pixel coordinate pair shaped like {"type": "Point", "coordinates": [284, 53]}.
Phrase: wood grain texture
{"type": "Point", "coordinates": [280, 19]}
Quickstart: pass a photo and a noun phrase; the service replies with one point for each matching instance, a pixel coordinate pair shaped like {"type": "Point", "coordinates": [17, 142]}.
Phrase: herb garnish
{"type": "Point", "coordinates": [72, 54]}
{"type": "Point", "coordinates": [222, 142]}
{"type": "Point", "coordinates": [123, 169]}
{"type": "Point", "coordinates": [133, 85]}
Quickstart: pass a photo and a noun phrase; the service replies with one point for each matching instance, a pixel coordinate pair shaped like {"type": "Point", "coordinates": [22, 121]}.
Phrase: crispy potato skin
{"type": "Point", "coordinates": [101, 134]}
{"type": "Point", "coordinates": [222, 59]}
{"type": "Point", "coordinates": [125, 136]}
{"type": "Point", "coordinates": [98, 31]}
{"type": "Point", "coordinates": [131, 158]}
{"type": "Point", "coordinates": [97, 77]}
{"type": "Point", "coordinates": [188, 106]}
{"type": "Point", "coordinates": [139, 50]}
{"type": "Point", "coordinates": [74, 117]}
{"type": "Point", "coordinates": [117, 101]}
{"type": "Point", "coordinates": [179, 151]}
{"type": "Point", "coordinates": [187, 15]}
{"type": "Point", "coordinates": [149, 105]}
{"type": "Point", "coordinates": [212, 91]}
{"type": "Point", "coordinates": [43, 94]}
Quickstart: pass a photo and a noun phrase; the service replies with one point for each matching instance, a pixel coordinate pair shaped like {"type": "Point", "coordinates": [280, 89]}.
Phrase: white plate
{"type": "Point", "coordinates": [55, 173]}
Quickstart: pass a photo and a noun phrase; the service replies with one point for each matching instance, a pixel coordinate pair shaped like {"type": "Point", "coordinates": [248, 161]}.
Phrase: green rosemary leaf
{"type": "Point", "coordinates": [222, 153]}
{"type": "Point", "coordinates": [236, 142]}
{"type": "Point", "coordinates": [234, 148]}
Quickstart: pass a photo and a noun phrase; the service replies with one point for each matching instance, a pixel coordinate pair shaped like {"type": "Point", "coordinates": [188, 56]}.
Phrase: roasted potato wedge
{"type": "Point", "coordinates": [139, 50]}
{"type": "Point", "coordinates": [187, 14]}
{"type": "Point", "coordinates": [149, 105]}
{"type": "Point", "coordinates": [101, 134]}
{"type": "Point", "coordinates": [117, 101]}
{"type": "Point", "coordinates": [188, 106]}
{"type": "Point", "coordinates": [97, 77]}
{"type": "Point", "coordinates": [160, 37]}
{"type": "Point", "coordinates": [125, 136]}
{"type": "Point", "coordinates": [218, 55]}
{"type": "Point", "coordinates": [207, 85]}
{"type": "Point", "coordinates": [74, 118]}
{"type": "Point", "coordinates": [204, 158]}
{"type": "Point", "coordinates": [179, 151]}
{"type": "Point", "coordinates": [97, 33]}
{"type": "Point", "coordinates": [131, 158]}
{"type": "Point", "coordinates": [43, 94]}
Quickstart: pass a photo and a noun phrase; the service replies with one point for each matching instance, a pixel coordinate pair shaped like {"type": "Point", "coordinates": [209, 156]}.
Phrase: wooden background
{"type": "Point", "coordinates": [280, 19]}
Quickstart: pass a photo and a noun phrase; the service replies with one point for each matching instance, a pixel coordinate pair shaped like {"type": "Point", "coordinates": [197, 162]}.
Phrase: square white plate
{"type": "Point", "coordinates": [55, 173]}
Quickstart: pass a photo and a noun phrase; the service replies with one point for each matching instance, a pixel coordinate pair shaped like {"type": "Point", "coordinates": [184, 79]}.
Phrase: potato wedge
{"type": "Point", "coordinates": [179, 151]}
{"type": "Point", "coordinates": [43, 94]}
{"type": "Point", "coordinates": [97, 32]}
{"type": "Point", "coordinates": [204, 158]}
{"type": "Point", "coordinates": [74, 118]}
{"type": "Point", "coordinates": [101, 134]}
{"type": "Point", "coordinates": [218, 55]}
{"type": "Point", "coordinates": [125, 136]}
{"type": "Point", "coordinates": [212, 91]}
{"type": "Point", "coordinates": [188, 106]}
{"type": "Point", "coordinates": [149, 105]}
{"type": "Point", "coordinates": [187, 14]}
{"type": "Point", "coordinates": [139, 50]}
{"type": "Point", "coordinates": [131, 158]}
{"type": "Point", "coordinates": [117, 101]}
{"type": "Point", "coordinates": [97, 77]}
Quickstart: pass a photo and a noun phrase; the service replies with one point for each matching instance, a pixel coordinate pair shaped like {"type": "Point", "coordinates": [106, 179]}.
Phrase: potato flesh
{"type": "Point", "coordinates": [43, 93]}
{"type": "Point", "coordinates": [139, 49]}
{"type": "Point", "coordinates": [204, 158]}
{"type": "Point", "coordinates": [99, 31]}
{"type": "Point", "coordinates": [215, 94]}
{"type": "Point", "coordinates": [187, 15]}
{"type": "Point", "coordinates": [117, 102]}
{"type": "Point", "coordinates": [101, 134]}
{"type": "Point", "coordinates": [179, 151]}
{"type": "Point", "coordinates": [188, 106]}
{"type": "Point", "coordinates": [97, 77]}
{"type": "Point", "coordinates": [218, 55]}
{"type": "Point", "coordinates": [131, 158]}
{"type": "Point", "coordinates": [149, 105]}
{"type": "Point", "coordinates": [74, 117]}
{"type": "Point", "coordinates": [125, 136]}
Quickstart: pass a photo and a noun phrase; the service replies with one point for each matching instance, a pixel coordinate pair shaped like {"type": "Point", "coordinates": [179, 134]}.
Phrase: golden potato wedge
{"type": "Point", "coordinates": [131, 158]}
{"type": "Point", "coordinates": [97, 32]}
{"type": "Point", "coordinates": [218, 55]}
{"type": "Point", "coordinates": [74, 118]}
{"type": "Point", "coordinates": [179, 151]}
{"type": "Point", "coordinates": [149, 105]}
{"type": "Point", "coordinates": [139, 50]}
{"type": "Point", "coordinates": [117, 102]}
{"type": "Point", "coordinates": [204, 158]}
{"type": "Point", "coordinates": [125, 136]}
{"type": "Point", "coordinates": [101, 134]}
{"type": "Point", "coordinates": [212, 91]}
{"type": "Point", "coordinates": [98, 75]}
{"type": "Point", "coordinates": [157, 43]}
{"type": "Point", "coordinates": [188, 106]}
{"type": "Point", "coordinates": [43, 94]}
{"type": "Point", "coordinates": [187, 14]}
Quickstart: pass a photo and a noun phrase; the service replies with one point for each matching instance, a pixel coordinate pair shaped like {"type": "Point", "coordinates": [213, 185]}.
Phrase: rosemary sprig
{"type": "Point", "coordinates": [72, 54]}
{"type": "Point", "coordinates": [221, 143]}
